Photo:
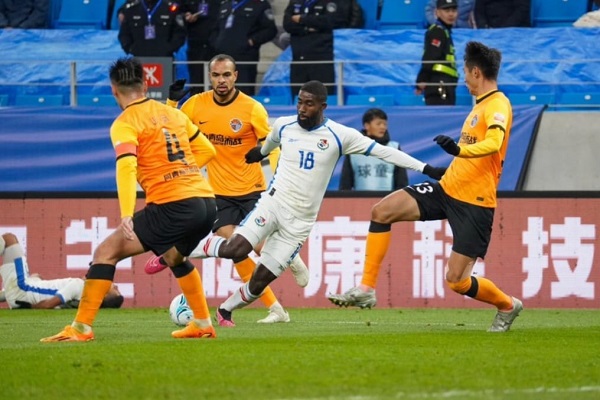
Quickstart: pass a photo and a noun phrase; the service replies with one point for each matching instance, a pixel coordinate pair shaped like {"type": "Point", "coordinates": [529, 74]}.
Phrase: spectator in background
{"type": "Point", "coordinates": [502, 13]}
{"type": "Point", "coordinates": [465, 19]}
{"type": "Point", "coordinates": [24, 14]}
{"type": "Point", "coordinates": [351, 15]}
{"type": "Point", "coordinates": [361, 172]}
{"type": "Point", "coordinates": [242, 27]}
{"type": "Point", "coordinates": [200, 17]}
{"type": "Point", "coordinates": [438, 75]}
{"type": "Point", "coordinates": [310, 25]}
{"type": "Point", "coordinates": [121, 11]}
{"type": "Point", "coordinates": [151, 28]}
{"type": "Point", "coordinates": [590, 19]}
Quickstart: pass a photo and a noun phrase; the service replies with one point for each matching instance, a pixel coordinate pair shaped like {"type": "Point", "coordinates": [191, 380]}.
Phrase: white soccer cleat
{"type": "Point", "coordinates": [300, 271]}
{"type": "Point", "coordinates": [354, 297]}
{"type": "Point", "coordinates": [504, 320]}
{"type": "Point", "coordinates": [276, 314]}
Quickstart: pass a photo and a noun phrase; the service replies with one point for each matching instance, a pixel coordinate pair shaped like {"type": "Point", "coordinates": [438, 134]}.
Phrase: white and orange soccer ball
{"type": "Point", "coordinates": [180, 311]}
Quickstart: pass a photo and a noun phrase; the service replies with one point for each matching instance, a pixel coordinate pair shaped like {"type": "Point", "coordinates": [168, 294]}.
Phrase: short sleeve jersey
{"type": "Point", "coordinates": [160, 136]}
{"type": "Point", "coordinates": [234, 128]}
{"type": "Point", "coordinates": [475, 180]}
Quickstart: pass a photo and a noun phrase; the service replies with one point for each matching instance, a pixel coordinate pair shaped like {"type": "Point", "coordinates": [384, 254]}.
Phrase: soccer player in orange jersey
{"type": "Point", "coordinates": [466, 196]}
{"type": "Point", "coordinates": [234, 123]}
{"type": "Point", "coordinates": [159, 147]}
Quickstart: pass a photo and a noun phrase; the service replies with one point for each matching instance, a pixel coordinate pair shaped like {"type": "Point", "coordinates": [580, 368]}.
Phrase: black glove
{"type": "Point", "coordinates": [448, 144]}
{"type": "Point", "coordinates": [254, 155]}
{"type": "Point", "coordinates": [176, 90]}
{"type": "Point", "coordinates": [23, 304]}
{"type": "Point", "coordinates": [434, 172]}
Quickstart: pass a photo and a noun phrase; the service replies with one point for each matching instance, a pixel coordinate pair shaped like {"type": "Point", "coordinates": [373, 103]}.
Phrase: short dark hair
{"type": "Point", "coordinates": [485, 58]}
{"type": "Point", "coordinates": [127, 72]}
{"type": "Point", "coordinates": [317, 89]}
{"type": "Point", "coordinates": [373, 113]}
{"type": "Point", "coordinates": [223, 57]}
{"type": "Point", "coordinates": [112, 302]}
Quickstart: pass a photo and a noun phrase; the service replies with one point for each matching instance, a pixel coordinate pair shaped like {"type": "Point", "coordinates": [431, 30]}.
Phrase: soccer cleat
{"type": "Point", "coordinates": [69, 334]}
{"type": "Point", "coordinates": [354, 297]}
{"type": "Point", "coordinates": [504, 319]}
{"type": "Point", "coordinates": [192, 330]}
{"type": "Point", "coordinates": [276, 314]}
{"type": "Point", "coordinates": [153, 265]}
{"type": "Point", "coordinates": [300, 271]}
{"type": "Point", "coordinates": [223, 319]}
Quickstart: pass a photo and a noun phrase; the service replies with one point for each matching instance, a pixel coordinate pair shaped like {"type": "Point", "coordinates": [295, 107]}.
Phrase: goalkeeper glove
{"type": "Point", "coordinates": [177, 91]}
{"type": "Point", "coordinates": [448, 144]}
{"type": "Point", "coordinates": [434, 172]}
{"type": "Point", "coordinates": [254, 155]}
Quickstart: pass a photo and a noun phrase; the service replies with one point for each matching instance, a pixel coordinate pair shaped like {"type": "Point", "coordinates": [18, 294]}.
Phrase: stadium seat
{"type": "Point", "coordinates": [3, 100]}
{"type": "Point", "coordinates": [409, 100]}
{"type": "Point", "coordinates": [331, 100]}
{"type": "Point", "coordinates": [29, 100]}
{"type": "Point", "coordinates": [530, 98]}
{"type": "Point", "coordinates": [370, 11]}
{"type": "Point", "coordinates": [370, 100]}
{"type": "Point", "coordinates": [551, 13]}
{"type": "Point", "coordinates": [96, 100]}
{"type": "Point", "coordinates": [402, 14]}
{"type": "Point", "coordinates": [579, 99]}
{"type": "Point", "coordinates": [83, 14]}
{"type": "Point", "coordinates": [273, 100]}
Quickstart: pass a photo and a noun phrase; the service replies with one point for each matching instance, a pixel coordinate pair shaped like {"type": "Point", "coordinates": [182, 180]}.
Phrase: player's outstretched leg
{"type": "Point", "coordinates": [355, 297]}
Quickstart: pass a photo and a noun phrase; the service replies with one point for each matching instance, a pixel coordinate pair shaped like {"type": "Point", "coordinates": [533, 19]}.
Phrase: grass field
{"type": "Point", "coordinates": [322, 354]}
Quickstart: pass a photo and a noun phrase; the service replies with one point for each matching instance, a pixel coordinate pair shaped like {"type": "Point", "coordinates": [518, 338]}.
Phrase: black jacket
{"type": "Point", "coordinates": [253, 19]}
{"type": "Point", "coordinates": [437, 46]}
{"type": "Point", "coordinates": [24, 14]}
{"type": "Point", "coordinates": [312, 38]}
{"type": "Point", "coordinates": [198, 32]}
{"type": "Point", "coordinates": [502, 13]}
{"type": "Point", "coordinates": [168, 25]}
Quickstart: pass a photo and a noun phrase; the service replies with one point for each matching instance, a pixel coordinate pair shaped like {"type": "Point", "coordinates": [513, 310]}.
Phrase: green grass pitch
{"type": "Point", "coordinates": [323, 354]}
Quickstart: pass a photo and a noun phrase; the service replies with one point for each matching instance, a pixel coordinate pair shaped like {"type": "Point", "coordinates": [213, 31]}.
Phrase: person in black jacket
{"type": "Point", "coordinates": [152, 28]}
{"type": "Point", "coordinates": [360, 172]}
{"type": "Point", "coordinates": [242, 27]}
{"type": "Point", "coordinates": [438, 75]}
{"type": "Point", "coordinates": [200, 17]}
{"type": "Point", "coordinates": [24, 14]}
{"type": "Point", "coordinates": [502, 13]}
{"type": "Point", "coordinates": [310, 25]}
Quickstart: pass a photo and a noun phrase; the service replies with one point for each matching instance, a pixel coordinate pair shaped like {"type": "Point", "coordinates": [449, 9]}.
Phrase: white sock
{"type": "Point", "coordinates": [276, 306]}
{"type": "Point", "coordinates": [208, 247]}
{"type": "Point", "coordinates": [203, 323]}
{"type": "Point", "coordinates": [2, 245]}
{"type": "Point", "coordinates": [81, 327]}
{"type": "Point", "coordinates": [2, 296]}
{"type": "Point", "coordinates": [239, 299]}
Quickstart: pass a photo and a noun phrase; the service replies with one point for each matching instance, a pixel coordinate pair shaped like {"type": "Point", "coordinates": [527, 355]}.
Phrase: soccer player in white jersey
{"type": "Point", "coordinates": [311, 145]}
{"type": "Point", "coordinates": [25, 290]}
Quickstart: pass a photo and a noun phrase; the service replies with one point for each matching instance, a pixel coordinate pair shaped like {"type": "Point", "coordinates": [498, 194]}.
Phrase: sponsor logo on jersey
{"type": "Point", "coordinates": [235, 125]}
{"type": "Point", "coordinates": [474, 121]}
{"type": "Point", "coordinates": [323, 144]}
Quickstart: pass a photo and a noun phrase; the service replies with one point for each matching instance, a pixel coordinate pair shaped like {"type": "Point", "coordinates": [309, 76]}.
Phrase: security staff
{"type": "Point", "coordinates": [152, 28]}
{"type": "Point", "coordinates": [242, 27]}
{"type": "Point", "coordinates": [310, 24]}
{"type": "Point", "coordinates": [200, 17]}
{"type": "Point", "coordinates": [438, 75]}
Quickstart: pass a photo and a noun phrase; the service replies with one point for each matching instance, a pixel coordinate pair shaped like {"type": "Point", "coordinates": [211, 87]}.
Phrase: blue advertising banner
{"type": "Point", "coordinates": [64, 149]}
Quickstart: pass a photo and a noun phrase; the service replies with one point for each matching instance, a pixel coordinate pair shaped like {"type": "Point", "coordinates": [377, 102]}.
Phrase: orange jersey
{"type": "Point", "coordinates": [159, 136]}
{"type": "Point", "coordinates": [233, 128]}
{"type": "Point", "coordinates": [474, 174]}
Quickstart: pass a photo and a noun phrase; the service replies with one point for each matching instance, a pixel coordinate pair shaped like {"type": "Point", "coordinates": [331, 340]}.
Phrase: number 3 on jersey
{"type": "Point", "coordinates": [307, 160]}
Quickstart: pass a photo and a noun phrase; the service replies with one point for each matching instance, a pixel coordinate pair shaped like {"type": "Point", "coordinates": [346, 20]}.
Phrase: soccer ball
{"type": "Point", "coordinates": [180, 311]}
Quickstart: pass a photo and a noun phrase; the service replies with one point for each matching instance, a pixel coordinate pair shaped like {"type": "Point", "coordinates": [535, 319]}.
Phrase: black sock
{"type": "Point", "coordinates": [226, 315]}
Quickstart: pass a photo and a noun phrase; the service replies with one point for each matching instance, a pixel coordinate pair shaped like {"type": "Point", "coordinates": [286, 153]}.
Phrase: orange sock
{"type": "Point", "coordinates": [245, 268]}
{"type": "Point", "coordinates": [489, 293]}
{"type": "Point", "coordinates": [376, 248]}
{"type": "Point", "coordinates": [192, 289]}
{"type": "Point", "coordinates": [94, 291]}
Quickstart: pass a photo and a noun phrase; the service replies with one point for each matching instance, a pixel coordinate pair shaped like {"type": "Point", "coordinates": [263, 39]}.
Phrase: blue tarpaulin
{"type": "Point", "coordinates": [59, 149]}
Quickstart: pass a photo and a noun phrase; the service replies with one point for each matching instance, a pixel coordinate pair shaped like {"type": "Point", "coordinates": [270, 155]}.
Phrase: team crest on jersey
{"type": "Point", "coordinates": [474, 121]}
{"type": "Point", "coordinates": [260, 221]}
{"type": "Point", "coordinates": [323, 144]}
{"type": "Point", "coordinates": [235, 125]}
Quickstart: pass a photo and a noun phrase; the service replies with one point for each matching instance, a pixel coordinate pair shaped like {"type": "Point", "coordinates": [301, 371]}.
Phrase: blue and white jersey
{"type": "Point", "coordinates": [308, 158]}
{"type": "Point", "coordinates": [20, 286]}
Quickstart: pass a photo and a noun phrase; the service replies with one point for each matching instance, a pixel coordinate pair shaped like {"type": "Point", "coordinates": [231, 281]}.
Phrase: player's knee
{"type": "Point", "coordinates": [467, 286]}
